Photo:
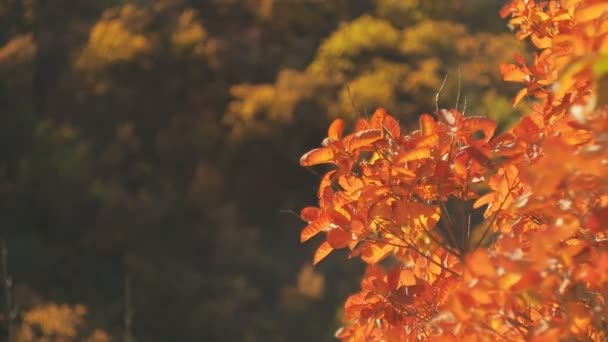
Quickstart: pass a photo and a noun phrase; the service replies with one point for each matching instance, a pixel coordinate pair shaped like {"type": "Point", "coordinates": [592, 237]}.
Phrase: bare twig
{"type": "Point", "coordinates": [459, 86]}
{"type": "Point", "coordinates": [445, 79]}
{"type": "Point", "coordinates": [8, 288]}
{"type": "Point", "coordinates": [128, 314]}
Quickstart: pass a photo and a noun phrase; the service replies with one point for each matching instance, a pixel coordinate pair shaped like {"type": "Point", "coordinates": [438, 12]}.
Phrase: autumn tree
{"type": "Point", "coordinates": [405, 202]}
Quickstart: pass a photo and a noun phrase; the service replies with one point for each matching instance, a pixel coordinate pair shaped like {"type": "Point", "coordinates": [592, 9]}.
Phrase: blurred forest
{"type": "Point", "coordinates": [149, 153]}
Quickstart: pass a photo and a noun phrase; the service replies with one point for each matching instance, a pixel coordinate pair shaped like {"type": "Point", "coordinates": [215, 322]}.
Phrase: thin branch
{"type": "Point", "coordinates": [511, 188]}
{"type": "Point", "coordinates": [459, 85]}
{"type": "Point", "coordinates": [445, 79]}
{"type": "Point", "coordinates": [412, 247]}
{"type": "Point", "coordinates": [128, 302]}
{"type": "Point", "coordinates": [8, 286]}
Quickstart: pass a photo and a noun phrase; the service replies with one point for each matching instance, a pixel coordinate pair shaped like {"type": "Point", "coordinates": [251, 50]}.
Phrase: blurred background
{"type": "Point", "coordinates": [149, 153]}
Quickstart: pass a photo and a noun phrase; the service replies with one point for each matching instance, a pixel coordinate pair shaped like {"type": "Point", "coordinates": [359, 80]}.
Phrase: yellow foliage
{"type": "Point", "coordinates": [424, 77]}
{"type": "Point", "coordinates": [431, 38]}
{"type": "Point", "coordinates": [363, 35]}
{"type": "Point", "coordinates": [372, 90]}
{"type": "Point", "coordinates": [58, 323]}
{"type": "Point", "coordinates": [253, 99]}
{"type": "Point", "coordinates": [189, 33]}
{"type": "Point", "coordinates": [112, 39]}
{"type": "Point", "coordinates": [310, 282]}
{"type": "Point", "coordinates": [481, 53]}
{"type": "Point", "coordinates": [399, 12]}
{"type": "Point", "coordinates": [257, 107]}
{"type": "Point", "coordinates": [20, 49]}
{"type": "Point", "coordinates": [125, 33]}
{"type": "Point", "coordinates": [52, 320]}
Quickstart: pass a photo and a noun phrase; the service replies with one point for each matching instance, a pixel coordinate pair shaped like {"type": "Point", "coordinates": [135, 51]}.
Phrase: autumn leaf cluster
{"type": "Point", "coordinates": [536, 266]}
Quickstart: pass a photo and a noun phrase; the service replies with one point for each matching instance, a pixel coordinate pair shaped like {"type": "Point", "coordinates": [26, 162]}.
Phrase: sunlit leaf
{"type": "Point", "coordinates": [416, 154]}
{"type": "Point", "coordinates": [335, 129]}
{"type": "Point", "coordinates": [317, 156]}
{"type": "Point", "coordinates": [475, 123]}
{"type": "Point", "coordinates": [375, 252]}
{"type": "Point", "coordinates": [513, 73]}
{"type": "Point", "coordinates": [520, 95]}
{"type": "Point", "coordinates": [591, 11]}
{"type": "Point", "coordinates": [323, 251]}
{"type": "Point", "coordinates": [314, 228]}
{"type": "Point", "coordinates": [364, 138]}
{"type": "Point", "coordinates": [427, 124]}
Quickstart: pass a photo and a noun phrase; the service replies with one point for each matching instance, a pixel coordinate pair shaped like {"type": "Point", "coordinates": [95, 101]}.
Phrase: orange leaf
{"type": "Point", "coordinates": [481, 296]}
{"type": "Point", "coordinates": [364, 138]}
{"type": "Point", "coordinates": [407, 278]}
{"type": "Point", "coordinates": [423, 216]}
{"type": "Point", "coordinates": [338, 218]}
{"type": "Point", "coordinates": [375, 252]}
{"type": "Point", "coordinates": [488, 198]}
{"type": "Point", "coordinates": [392, 126]}
{"type": "Point", "coordinates": [400, 212]}
{"type": "Point", "coordinates": [392, 277]}
{"type": "Point", "coordinates": [541, 42]}
{"type": "Point", "coordinates": [580, 316]}
{"type": "Point", "coordinates": [591, 11]}
{"type": "Point", "coordinates": [317, 156]}
{"type": "Point", "coordinates": [378, 118]}
{"type": "Point", "coordinates": [362, 125]}
{"type": "Point", "coordinates": [335, 129]}
{"type": "Point", "coordinates": [415, 154]}
{"type": "Point", "coordinates": [428, 141]}
{"type": "Point", "coordinates": [527, 130]}
{"type": "Point", "coordinates": [552, 334]}
{"type": "Point", "coordinates": [474, 124]}
{"type": "Point", "coordinates": [520, 95]}
{"type": "Point", "coordinates": [427, 124]}
{"type": "Point", "coordinates": [513, 73]}
{"type": "Point", "coordinates": [480, 264]}
{"type": "Point", "coordinates": [314, 228]}
{"type": "Point", "coordinates": [350, 183]}
{"type": "Point", "coordinates": [323, 251]}
{"type": "Point", "coordinates": [339, 238]}
{"type": "Point", "coordinates": [529, 280]}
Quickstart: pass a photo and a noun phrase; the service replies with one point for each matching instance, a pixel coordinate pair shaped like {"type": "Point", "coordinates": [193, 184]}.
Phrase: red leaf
{"type": "Point", "coordinates": [339, 238]}
{"type": "Point", "coordinates": [310, 214]}
{"type": "Point", "coordinates": [362, 125]}
{"type": "Point", "coordinates": [338, 219]}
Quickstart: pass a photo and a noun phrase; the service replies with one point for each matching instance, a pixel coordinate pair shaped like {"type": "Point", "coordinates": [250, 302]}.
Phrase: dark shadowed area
{"type": "Point", "coordinates": [149, 178]}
